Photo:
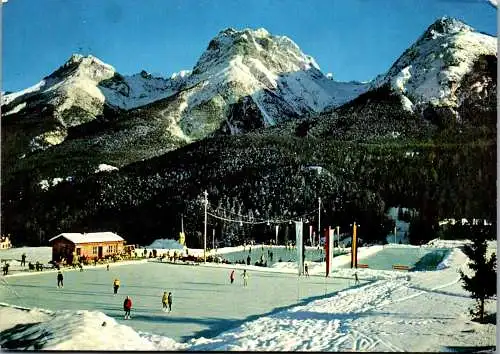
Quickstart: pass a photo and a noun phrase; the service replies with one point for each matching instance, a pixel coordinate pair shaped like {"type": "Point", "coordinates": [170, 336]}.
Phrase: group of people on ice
{"type": "Point", "coordinates": [244, 275]}
{"type": "Point", "coordinates": [166, 300]}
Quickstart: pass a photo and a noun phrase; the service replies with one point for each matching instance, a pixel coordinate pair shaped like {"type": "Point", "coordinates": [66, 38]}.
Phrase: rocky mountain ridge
{"type": "Point", "coordinates": [244, 80]}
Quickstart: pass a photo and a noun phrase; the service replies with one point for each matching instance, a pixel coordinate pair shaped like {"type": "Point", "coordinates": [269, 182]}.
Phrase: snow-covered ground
{"type": "Point", "coordinates": [388, 311]}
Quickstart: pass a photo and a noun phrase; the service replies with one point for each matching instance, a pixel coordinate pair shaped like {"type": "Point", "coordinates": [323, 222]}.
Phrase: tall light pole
{"type": "Point", "coordinates": [205, 193]}
{"type": "Point", "coordinates": [395, 234]}
{"type": "Point", "coordinates": [319, 220]}
{"type": "Point", "coordinates": [213, 239]}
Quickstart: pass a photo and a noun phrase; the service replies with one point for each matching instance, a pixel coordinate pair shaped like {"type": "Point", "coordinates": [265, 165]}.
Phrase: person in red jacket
{"type": "Point", "coordinates": [127, 305]}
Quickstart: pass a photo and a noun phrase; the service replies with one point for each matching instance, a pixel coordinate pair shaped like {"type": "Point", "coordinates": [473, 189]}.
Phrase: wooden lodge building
{"type": "Point", "coordinates": [95, 245]}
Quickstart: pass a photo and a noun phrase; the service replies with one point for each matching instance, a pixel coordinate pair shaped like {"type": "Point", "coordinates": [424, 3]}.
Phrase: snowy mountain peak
{"type": "Point", "coordinates": [261, 32]}
{"type": "Point", "coordinates": [251, 70]}
{"type": "Point", "coordinates": [432, 69]}
{"type": "Point", "coordinates": [278, 53]}
{"type": "Point", "coordinates": [88, 66]}
{"type": "Point", "coordinates": [446, 26]}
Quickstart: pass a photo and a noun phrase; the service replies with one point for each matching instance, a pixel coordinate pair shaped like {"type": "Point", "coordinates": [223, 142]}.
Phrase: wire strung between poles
{"type": "Point", "coordinates": [252, 220]}
{"type": "Point", "coordinates": [260, 222]}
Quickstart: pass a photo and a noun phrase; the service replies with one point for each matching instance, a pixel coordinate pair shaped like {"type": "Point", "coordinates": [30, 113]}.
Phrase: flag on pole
{"type": "Point", "coordinates": [299, 243]}
{"type": "Point", "coordinates": [327, 252]}
{"type": "Point", "coordinates": [354, 248]}
{"type": "Point", "coordinates": [330, 246]}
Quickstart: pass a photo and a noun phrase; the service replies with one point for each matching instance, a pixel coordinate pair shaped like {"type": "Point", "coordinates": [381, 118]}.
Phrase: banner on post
{"type": "Point", "coordinates": [331, 235]}
{"type": "Point", "coordinates": [299, 244]}
{"type": "Point", "coordinates": [354, 248]}
{"type": "Point", "coordinates": [277, 227]}
{"type": "Point", "coordinates": [327, 251]}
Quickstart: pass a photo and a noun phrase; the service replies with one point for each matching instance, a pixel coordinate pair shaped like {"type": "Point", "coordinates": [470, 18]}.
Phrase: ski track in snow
{"type": "Point", "coordinates": [305, 328]}
{"type": "Point", "coordinates": [343, 333]}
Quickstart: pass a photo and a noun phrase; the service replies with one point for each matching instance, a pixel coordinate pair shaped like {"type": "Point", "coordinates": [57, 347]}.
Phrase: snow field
{"type": "Point", "coordinates": [426, 312]}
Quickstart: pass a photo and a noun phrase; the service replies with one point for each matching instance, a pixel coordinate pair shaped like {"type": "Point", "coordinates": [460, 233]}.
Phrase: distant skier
{"type": "Point", "coordinates": [60, 278]}
{"type": "Point", "coordinates": [356, 279]}
{"type": "Point", "coordinates": [169, 299]}
{"type": "Point", "coordinates": [231, 277]}
{"type": "Point", "coordinates": [127, 306]}
{"type": "Point", "coordinates": [164, 301]}
{"type": "Point", "coordinates": [245, 277]}
{"type": "Point", "coordinates": [306, 270]}
{"type": "Point", "coordinates": [116, 285]}
{"type": "Point", "coordinates": [23, 260]}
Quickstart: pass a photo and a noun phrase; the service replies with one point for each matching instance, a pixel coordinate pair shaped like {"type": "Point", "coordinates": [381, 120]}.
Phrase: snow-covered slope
{"type": "Point", "coordinates": [129, 92]}
{"type": "Point", "coordinates": [432, 69]}
{"type": "Point", "coordinates": [270, 70]}
{"type": "Point", "coordinates": [89, 83]}
{"type": "Point", "coordinates": [244, 80]}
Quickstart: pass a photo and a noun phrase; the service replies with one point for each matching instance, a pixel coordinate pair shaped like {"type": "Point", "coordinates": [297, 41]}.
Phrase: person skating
{"type": "Point", "coordinates": [306, 270]}
{"type": "Point", "coordinates": [169, 299]}
{"type": "Point", "coordinates": [127, 306]}
{"type": "Point", "coordinates": [6, 268]}
{"type": "Point", "coordinates": [231, 277]}
{"type": "Point", "coordinates": [107, 267]}
{"type": "Point", "coordinates": [245, 277]}
{"type": "Point", "coordinates": [164, 301]}
{"type": "Point", "coordinates": [60, 279]}
{"type": "Point", "coordinates": [23, 260]}
{"type": "Point", "coordinates": [356, 280]}
{"type": "Point", "coordinates": [248, 260]}
{"type": "Point", "coordinates": [116, 286]}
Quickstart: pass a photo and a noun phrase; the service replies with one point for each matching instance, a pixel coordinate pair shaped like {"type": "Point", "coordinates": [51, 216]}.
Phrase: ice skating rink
{"type": "Point", "coordinates": [204, 301]}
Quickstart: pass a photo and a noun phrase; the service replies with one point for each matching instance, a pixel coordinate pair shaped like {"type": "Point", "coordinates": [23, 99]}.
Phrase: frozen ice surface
{"type": "Point", "coordinates": [204, 302]}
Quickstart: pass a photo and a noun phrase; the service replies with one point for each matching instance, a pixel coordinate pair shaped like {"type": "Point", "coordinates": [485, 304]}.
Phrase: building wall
{"type": "Point", "coordinates": [5, 242]}
{"type": "Point", "coordinates": [62, 247]}
{"type": "Point", "coordinates": [90, 250]}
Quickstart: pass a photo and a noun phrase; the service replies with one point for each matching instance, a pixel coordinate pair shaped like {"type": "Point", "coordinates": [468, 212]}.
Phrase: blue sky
{"type": "Point", "coordinates": [354, 39]}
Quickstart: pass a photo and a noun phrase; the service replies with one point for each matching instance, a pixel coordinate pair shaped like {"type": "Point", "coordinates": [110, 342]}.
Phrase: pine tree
{"type": "Point", "coordinates": [482, 284]}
